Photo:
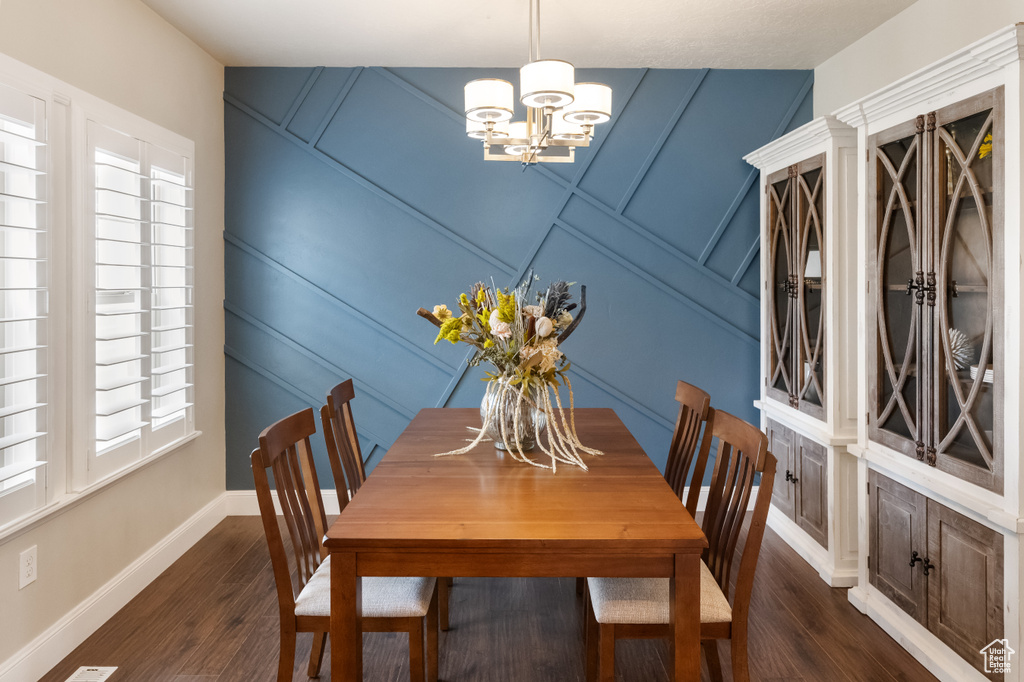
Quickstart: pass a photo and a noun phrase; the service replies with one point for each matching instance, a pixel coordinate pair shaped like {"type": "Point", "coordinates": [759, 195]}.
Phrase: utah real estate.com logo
{"type": "Point", "coordinates": [997, 656]}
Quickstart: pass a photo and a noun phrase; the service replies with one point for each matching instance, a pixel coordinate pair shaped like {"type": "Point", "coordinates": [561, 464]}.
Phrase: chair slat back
{"type": "Point", "coordinates": [695, 413]}
{"type": "Point", "coordinates": [285, 451]}
{"type": "Point", "coordinates": [742, 455]}
{"type": "Point", "coordinates": [342, 441]}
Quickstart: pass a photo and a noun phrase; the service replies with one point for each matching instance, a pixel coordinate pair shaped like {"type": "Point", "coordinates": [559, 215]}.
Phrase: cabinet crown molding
{"type": "Point", "coordinates": [821, 130]}
{"type": "Point", "coordinates": [987, 56]}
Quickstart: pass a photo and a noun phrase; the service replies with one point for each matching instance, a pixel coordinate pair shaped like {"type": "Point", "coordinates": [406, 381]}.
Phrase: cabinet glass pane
{"type": "Point", "coordinates": [963, 242]}
{"type": "Point", "coordinates": [811, 338]}
{"type": "Point", "coordinates": [781, 311]}
{"type": "Point", "coordinates": [898, 265]}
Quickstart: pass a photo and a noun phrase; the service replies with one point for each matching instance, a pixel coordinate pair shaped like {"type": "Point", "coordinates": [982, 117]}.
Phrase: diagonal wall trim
{"type": "Point", "coordinates": [753, 174]}
{"type": "Point", "coordinates": [662, 286]}
{"type": "Point", "coordinates": [341, 168]}
{"type": "Point", "coordinates": [314, 403]}
{"type": "Point", "coordinates": [427, 99]}
{"type": "Point", "coordinates": [619, 395]}
{"type": "Point", "coordinates": [714, 277]}
{"type": "Point", "coordinates": [314, 140]}
{"type": "Point", "coordinates": [660, 142]}
{"type": "Point", "coordinates": [334, 300]}
{"type": "Point", "coordinates": [752, 252]}
{"type": "Point", "coordinates": [302, 96]}
{"type": "Point", "coordinates": [318, 359]}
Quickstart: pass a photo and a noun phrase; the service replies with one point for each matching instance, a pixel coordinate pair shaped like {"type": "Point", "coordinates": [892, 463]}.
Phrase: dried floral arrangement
{"type": "Point", "coordinates": [521, 341]}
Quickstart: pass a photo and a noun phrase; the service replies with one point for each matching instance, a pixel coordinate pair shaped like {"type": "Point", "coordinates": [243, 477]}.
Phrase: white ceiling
{"type": "Point", "coordinates": [775, 34]}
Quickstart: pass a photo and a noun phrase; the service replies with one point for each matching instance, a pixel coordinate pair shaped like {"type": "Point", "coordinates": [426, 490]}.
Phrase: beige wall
{"type": "Point", "coordinates": [926, 31]}
{"type": "Point", "coordinates": [110, 48]}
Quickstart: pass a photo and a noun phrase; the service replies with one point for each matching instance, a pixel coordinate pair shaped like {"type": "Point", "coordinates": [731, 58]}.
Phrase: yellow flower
{"type": "Point", "coordinates": [488, 343]}
{"type": "Point", "coordinates": [506, 306]}
{"type": "Point", "coordinates": [464, 300]}
{"type": "Point", "coordinates": [441, 312]}
{"type": "Point", "coordinates": [451, 329]}
{"type": "Point", "coordinates": [986, 147]}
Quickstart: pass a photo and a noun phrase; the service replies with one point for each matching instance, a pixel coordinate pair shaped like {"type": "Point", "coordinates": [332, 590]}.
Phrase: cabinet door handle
{"type": "Point", "coordinates": [790, 476]}
{"type": "Point", "coordinates": [929, 566]}
{"type": "Point", "coordinates": [914, 559]}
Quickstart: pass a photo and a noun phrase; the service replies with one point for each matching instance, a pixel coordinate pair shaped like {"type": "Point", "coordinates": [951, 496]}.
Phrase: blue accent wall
{"type": "Point", "coordinates": [354, 197]}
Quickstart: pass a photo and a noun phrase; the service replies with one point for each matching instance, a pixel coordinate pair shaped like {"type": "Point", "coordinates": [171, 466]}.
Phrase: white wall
{"type": "Point", "coordinates": [109, 48]}
{"type": "Point", "coordinates": [926, 31]}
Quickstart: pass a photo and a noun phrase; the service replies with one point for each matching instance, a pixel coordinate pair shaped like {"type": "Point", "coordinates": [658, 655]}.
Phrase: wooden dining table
{"type": "Point", "coordinates": [483, 514]}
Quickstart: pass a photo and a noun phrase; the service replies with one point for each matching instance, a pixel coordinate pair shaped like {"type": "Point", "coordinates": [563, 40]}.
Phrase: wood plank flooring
{"type": "Point", "coordinates": [212, 617]}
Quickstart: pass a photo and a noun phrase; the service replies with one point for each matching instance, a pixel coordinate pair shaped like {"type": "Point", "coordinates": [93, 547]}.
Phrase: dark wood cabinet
{"type": "Point", "coordinates": [935, 368]}
{"type": "Point", "coordinates": [801, 491]}
{"type": "Point", "coordinates": [942, 568]}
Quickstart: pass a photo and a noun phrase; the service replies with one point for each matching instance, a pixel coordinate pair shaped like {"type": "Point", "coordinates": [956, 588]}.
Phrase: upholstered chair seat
{"type": "Point", "coordinates": [382, 597]}
{"type": "Point", "coordinates": [645, 601]}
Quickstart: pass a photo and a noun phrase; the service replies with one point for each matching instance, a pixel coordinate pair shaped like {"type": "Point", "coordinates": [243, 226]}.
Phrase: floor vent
{"type": "Point", "coordinates": [91, 674]}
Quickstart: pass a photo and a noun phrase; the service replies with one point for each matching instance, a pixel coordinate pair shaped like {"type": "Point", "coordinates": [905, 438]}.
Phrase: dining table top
{"type": "Point", "coordinates": [485, 499]}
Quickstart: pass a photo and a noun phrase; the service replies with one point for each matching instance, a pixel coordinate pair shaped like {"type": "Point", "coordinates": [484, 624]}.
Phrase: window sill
{"type": "Point", "coordinates": [73, 499]}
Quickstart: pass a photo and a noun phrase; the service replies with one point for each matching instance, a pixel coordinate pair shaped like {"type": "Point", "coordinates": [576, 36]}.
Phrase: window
{"type": "Point", "coordinates": [97, 345]}
{"type": "Point", "coordinates": [140, 212]}
{"type": "Point", "coordinates": [23, 301]}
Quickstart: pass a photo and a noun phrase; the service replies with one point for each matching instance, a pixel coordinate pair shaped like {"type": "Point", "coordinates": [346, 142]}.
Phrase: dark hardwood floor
{"type": "Point", "coordinates": [212, 617]}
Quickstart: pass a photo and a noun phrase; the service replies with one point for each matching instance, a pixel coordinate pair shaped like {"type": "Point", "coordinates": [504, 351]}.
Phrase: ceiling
{"type": "Point", "coordinates": [775, 34]}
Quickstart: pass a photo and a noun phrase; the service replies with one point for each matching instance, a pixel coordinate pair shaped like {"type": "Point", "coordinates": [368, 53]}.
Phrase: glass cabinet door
{"type": "Point", "coordinates": [936, 379]}
{"type": "Point", "coordinates": [967, 158]}
{"type": "Point", "coordinates": [781, 287]}
{"type": "Point", "coordinates": [809, 372]}
{"type": "Point", "coordinates": [898, 278]}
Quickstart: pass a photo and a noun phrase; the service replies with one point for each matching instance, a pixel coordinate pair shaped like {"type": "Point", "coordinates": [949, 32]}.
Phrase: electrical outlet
{"type": "Point", "coordinates": [27, 567]}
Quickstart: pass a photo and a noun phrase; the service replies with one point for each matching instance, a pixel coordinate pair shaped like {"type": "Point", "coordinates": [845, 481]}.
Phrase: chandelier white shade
{"type": "Point", "coordinates": [547, 83]}
{"type": "Point", "coordinates": [489, 99]}
{"type": "Point", "coordinates": [592, 104]}
{"type": "Point", "coordinates": [561, 114]}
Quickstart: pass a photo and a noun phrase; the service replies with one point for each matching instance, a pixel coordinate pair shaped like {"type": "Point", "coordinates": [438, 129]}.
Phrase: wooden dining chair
{"type": "Point", "coordinates": [623, 608]}
{"type": "Point", "coordinates": [342, 440]}
{"type": "Point", "coordinates": [688, 448]}
{"type": "Point", "coordinates": [346, 458]}
{"type": "Point", "coordinates": [389, 604]}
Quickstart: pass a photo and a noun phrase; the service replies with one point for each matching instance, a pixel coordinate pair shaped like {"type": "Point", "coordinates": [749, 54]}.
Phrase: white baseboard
{"type": "Point", "coordinates": [935, 656]}
{"type": "Point", "coordinates": [40, 655]}
{"type": "Point", "coordinates": [811, 552]}
{"type": "Point", "coordinates": [243, 503]}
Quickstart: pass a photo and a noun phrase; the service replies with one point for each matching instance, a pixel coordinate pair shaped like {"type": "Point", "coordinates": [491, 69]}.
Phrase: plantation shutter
{"type": "Point", "coordinates": [23, 301]}
{"type": "Point", "coordinates": [142, 217]}
{"type": "Point", "coordinates": [171, 258]}
{"type": "Point", "coordinates": [120, 299]}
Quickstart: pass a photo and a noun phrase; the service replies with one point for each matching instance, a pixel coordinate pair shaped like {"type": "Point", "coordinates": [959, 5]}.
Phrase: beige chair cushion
{"type": "Point", "coordinates": [645, 600]}
{"type": "Point", "coordinates": [382, 597]}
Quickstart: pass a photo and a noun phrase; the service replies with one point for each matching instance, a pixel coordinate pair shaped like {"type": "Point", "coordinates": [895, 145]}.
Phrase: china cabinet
{"type": "Point", "coordinates": [939, 436]}
{"type": "Point", "coordinates": [808, 403]}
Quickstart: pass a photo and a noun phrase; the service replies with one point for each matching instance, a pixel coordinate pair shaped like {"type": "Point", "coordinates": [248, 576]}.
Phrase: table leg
{"type": "Point", "coordinates": [346, 626]}
{"type": "Point", "coordinates": [684, 616]}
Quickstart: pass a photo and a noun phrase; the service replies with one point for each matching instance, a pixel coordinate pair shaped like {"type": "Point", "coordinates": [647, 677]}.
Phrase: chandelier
{"type": "Point", "coordinates": [560, 113]}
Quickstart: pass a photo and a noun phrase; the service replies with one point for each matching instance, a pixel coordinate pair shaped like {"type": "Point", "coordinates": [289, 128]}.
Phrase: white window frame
{"type": "Point", "coordinates": [71, 469]}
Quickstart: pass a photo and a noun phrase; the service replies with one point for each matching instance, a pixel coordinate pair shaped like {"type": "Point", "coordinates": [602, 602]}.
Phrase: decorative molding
{"type": "Point", "coordinates": [387, 196]}
{"type": "Point", "coordinates": [36, 658]}
{"type": "Point", "coordinates": [719, 302]}
{"type": "Point", "coordinates": [673, 121]}
{"type": "Point", "coordinates": [987, 56]}
{"type": "Point", "coordinates": [657, 283]}
{"type": "Point", "coordinates": [822, 130]}
{"type": "Point", "coordinates": [336, 302]}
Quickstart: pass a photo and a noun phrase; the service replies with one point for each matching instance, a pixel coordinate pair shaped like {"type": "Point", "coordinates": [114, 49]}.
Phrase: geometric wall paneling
{"type": "Point", "coordinates": [353, 197]}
